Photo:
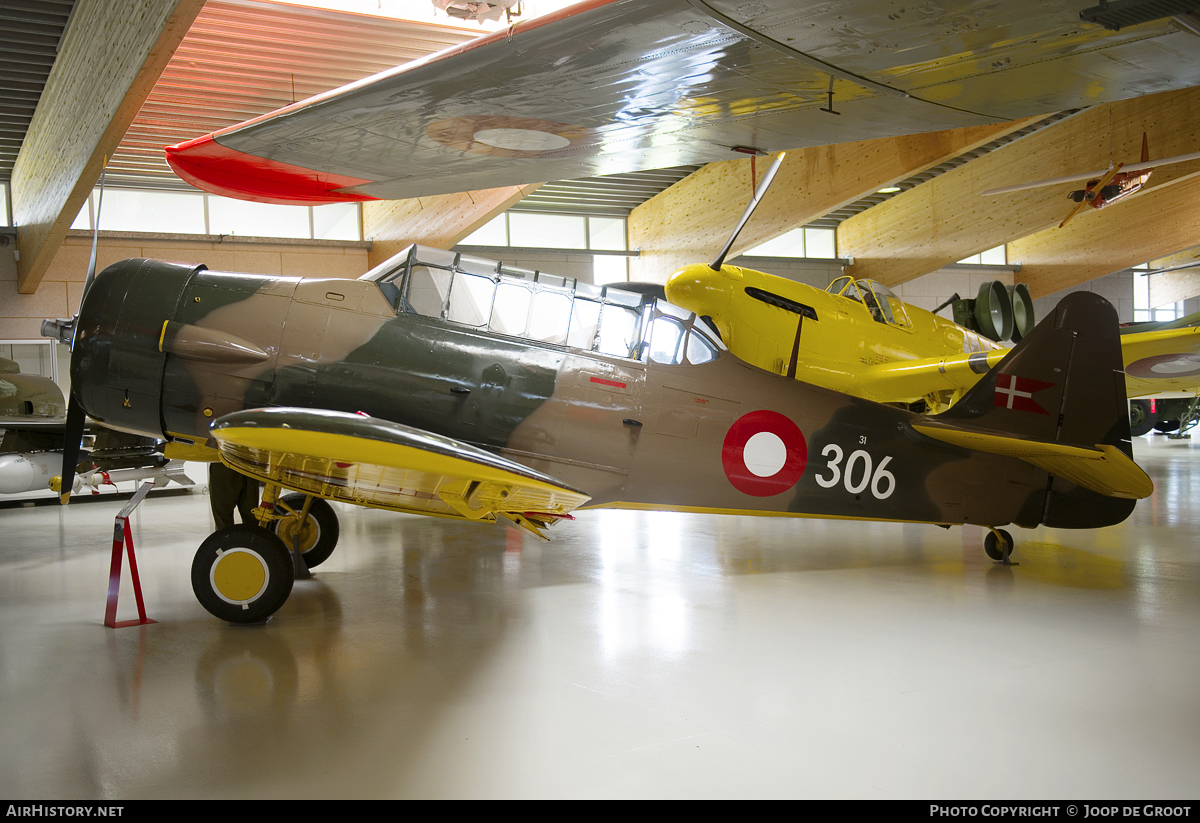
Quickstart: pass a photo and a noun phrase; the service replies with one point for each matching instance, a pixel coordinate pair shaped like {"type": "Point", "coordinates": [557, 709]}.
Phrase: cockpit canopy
{"type": "Point", "coordinates": [500, 299]}
{"type": "Point", "coordinates": [884, 305]}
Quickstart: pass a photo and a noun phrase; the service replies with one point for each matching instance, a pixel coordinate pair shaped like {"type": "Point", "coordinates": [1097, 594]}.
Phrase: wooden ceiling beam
{"type": "Point", "coordinates": [946, 220]}
{"type": "Point", "coordinates": [108, 61]}
{"type": "Point", "coordinates": [1149, 225]}
{"type": "Point", "coordinates": [441, 220]}
{"type": "Point", "coordinates": [690, 221]}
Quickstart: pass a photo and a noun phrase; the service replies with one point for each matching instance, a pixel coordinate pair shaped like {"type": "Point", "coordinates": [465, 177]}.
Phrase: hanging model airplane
{"type": "Point", "coordinates": [858, 337]}
{"type": "Point", "coordinates": [610, 86]}
{"type": "Point", "coordinates": [454, 387]}
{"type": "Point", "coordinates": [1103, 187]}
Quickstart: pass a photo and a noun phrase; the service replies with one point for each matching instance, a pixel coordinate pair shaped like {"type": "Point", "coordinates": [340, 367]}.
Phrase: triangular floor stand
{"type": "Point", "coordinates": [122, 538]}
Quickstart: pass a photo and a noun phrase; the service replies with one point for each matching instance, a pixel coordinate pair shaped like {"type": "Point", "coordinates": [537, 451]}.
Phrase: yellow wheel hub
{"type": "Point", "coordinates": [290, 528]}
{"type": "Point", "coordinates": [239, 576]}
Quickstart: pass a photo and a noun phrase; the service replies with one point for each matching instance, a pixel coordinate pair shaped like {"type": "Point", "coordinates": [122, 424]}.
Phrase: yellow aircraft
{"type": "Point", "coordinates": [858, 337]}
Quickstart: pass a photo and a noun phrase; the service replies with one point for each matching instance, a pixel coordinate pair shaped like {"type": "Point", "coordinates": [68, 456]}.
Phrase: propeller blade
{"type": "Point", "coordinates": [72, 440]}
{"type": "Point", "coordinates": [91, 272]}
{"type": "Point", "coordinates": [758, 195]}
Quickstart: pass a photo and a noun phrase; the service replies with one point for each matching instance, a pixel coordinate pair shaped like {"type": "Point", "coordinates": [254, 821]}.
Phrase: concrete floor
{"type": "Point", "coordinates": [635, 655]}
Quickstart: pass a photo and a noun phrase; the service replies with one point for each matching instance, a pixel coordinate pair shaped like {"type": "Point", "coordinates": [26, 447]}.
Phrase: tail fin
{"type": "Point", "coordinates": [1057, 400]}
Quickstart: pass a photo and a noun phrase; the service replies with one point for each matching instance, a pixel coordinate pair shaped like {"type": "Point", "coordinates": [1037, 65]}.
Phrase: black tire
{"type": "Point", "coordinates": [242, 574]}
{"type": "Point", "coordinates": [1165, 426]}
{"type": "Point", "coordinates": [1141, 420]}
{"type": "Point", "coordinates": [992, 546]}
{"type": "Point", "coordinates": [320, 534]}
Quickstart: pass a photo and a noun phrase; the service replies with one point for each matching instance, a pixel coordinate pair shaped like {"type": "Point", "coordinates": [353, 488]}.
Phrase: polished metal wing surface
{"type": "Point", "coordinates": [613, 86]}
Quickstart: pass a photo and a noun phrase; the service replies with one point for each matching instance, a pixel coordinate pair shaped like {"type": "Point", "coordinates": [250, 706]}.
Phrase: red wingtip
{"type": "Point", "coordinates": [208, 165]}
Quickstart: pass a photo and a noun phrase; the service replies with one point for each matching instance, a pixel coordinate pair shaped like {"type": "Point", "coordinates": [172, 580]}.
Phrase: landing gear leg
{"type": "Point", "coordinates": [998, 544]}
{"type": "Point", "coordinates": [307, 525]}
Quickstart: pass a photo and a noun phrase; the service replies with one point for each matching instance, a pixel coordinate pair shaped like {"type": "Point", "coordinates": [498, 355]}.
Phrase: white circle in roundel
{"type": "Point", "coordinates": [765, 454]}
{"type": "Point", "coordinates": [521, 139]}
{"type": "Point", "coordinates": [1181, 366]}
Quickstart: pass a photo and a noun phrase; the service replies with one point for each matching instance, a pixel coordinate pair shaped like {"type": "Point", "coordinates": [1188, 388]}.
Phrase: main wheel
{"type": "Point", "coordinates": [992, 546]}
{"type": "Point", "coordinates": [1140, 418]}
{"type": "Point", "coordinates": [319, 534]}
{"type": "Point", "coordinates": [242, 574]}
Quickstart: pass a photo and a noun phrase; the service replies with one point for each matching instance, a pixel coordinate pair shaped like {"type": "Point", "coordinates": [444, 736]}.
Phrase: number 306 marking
{"type": "Point", "coordinates": [858, 473]}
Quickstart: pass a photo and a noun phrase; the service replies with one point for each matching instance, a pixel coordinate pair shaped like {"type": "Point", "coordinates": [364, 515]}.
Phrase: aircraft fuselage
{"type": "Point", "coordinates": [165, 350]}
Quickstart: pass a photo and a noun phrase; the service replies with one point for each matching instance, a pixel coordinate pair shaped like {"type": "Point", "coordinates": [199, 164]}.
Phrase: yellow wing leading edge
{"type": "Point", "coordinates": [379, 464]}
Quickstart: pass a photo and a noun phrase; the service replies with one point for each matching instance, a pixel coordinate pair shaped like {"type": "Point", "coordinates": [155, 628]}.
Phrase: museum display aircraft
{"type": "Point", "coordinates": [33, 420]}
{"type": "Point", "coordinates": [1103, 187]}
{"type": "Point", "coordinates": [858, 337]}
{"type": "Point", "coordinates": [451, 386]}
{"type": "Point", "coordinates": [610, 86]}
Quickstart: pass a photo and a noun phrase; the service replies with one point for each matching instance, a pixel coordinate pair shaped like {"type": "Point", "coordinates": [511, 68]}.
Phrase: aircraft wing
{"type": "Point", "coordinates": [1155, 362]}
{"type": "Point", "coordinates": [1159, 361]}
{"type": "Point", "coordinates": [380, 464]}
{"type": "Point", "coordinates": [611, 86]}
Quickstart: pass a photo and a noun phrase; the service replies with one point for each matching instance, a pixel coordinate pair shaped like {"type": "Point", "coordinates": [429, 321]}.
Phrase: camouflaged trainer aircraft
{"type": "Point", "coordinates": [455, 387]}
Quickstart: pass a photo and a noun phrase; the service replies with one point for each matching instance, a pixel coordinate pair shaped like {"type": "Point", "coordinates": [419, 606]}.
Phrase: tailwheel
{"type": "Point", "coordinates": [242, 574]}
{"type": "Point", "coordinates": [318, 534]}
{"type": "Point", "coordinates": [998, 544]}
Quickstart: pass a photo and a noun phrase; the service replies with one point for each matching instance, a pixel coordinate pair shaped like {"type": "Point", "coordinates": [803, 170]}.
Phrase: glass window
{"type": "Point", "coordinates": [585, 318]}
{"type": "Point", "coordinates": [83, 220]}
{"type": "Point", "coordinates": [492, 233]}
{"type": "Point", "coordinates": [618, 331]}
{"type": "Point", "coordinates": [839, 284]}
{"type": "Point", "coordinates": [471, 299]}
{"type": "Point", "coordinates": [338, 221]}
{"type": "Point", "coordinates": [427, 290]}
{"type": "Point", "coordinates": [699, 350]}
{"type": "Point", "coordinates": [789, 244]}
{"type": "Point", "coordinates": [170, 212]}
{"type": "Point", "coordinates": [1141, 297]}
{"type": "Point", "coordinates": [994, 257]}
{"type": "Point", "coordinates": [666, 339]}
{"type": "Point", "coordinates": [510, 313]}
{"type": "Point", "coordinates": [32, 358]}
{"type": "Point", "coordinates": [550, 315]}
{"type": "Point", "coordinates": [553, 231]}
{"type": "Point", "coordinates": [820, 243]}
{"type": "Point", "coordinates": [239, 217]}
{"type": "Point", "coordinates": [606, 233]}
{"type": "Point", "coordinates": [608, 268]}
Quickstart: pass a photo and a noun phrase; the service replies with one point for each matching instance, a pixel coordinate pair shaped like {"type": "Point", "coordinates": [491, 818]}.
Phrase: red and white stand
{"type": "Point", "coordinates": [122, 538]}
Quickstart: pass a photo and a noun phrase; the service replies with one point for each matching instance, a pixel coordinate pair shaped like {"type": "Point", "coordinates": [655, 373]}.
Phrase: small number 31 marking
{"type": "Point", "coordinates": [855, 480]}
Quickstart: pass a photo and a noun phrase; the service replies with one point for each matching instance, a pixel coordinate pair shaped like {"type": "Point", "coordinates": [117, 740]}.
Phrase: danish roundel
{"type": "Point", "coordinates": [764, 453]}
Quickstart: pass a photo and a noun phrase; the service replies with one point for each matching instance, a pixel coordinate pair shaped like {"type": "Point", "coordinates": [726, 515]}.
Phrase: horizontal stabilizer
{"type": "Point", "coordinates": [1105, 469]}
{"type": "Point", "coordinates": [1057, 401]}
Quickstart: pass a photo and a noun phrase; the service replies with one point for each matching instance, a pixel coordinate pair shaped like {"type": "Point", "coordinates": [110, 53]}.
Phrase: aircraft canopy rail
{"type": "Point", "coordinates": [884, 305]}
{"type": "Point", "coordinates": [494, 297]}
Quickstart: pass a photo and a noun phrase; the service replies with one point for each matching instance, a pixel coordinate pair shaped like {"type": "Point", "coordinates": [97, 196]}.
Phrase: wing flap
{"type": "Point", "coordinates": [380, 464]}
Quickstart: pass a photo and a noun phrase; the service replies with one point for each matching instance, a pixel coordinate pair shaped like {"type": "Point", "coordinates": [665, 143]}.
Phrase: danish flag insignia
{"type": "Point", "coordinates": [1013, 392]}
